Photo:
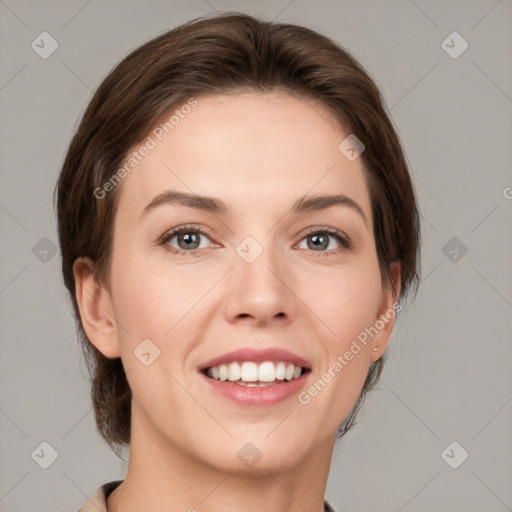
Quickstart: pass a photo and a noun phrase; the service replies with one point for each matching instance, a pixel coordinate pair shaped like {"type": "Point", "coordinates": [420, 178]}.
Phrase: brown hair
{"type": "Point", "coordinates": [220, 55]}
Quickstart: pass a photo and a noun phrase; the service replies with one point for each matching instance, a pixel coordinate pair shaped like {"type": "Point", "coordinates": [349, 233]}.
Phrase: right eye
{"type": "Point", "coordinates": [186, 240]}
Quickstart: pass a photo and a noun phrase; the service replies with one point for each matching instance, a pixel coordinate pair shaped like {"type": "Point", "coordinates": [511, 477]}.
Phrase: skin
{"type": "Point", "coordinates": [258, 153]}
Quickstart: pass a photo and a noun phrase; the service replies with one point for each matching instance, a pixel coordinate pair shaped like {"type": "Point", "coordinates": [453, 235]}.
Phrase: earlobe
{"type": "Point", "coordinates": [385, 320]}
{"type": "Point", "coordinates": [96, 311]}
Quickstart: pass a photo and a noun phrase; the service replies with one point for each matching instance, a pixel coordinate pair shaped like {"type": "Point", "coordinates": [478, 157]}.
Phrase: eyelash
{"type": "Point", "coordinates": [343, 240]}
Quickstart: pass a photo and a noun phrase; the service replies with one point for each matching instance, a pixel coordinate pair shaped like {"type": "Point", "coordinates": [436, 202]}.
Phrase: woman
{"type": "Point", "coordinates": [238, 228]}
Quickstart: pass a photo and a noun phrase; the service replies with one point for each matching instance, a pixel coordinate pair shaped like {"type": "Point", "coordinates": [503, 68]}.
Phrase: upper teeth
{"type": "Point", "coordinates": [248, 371]}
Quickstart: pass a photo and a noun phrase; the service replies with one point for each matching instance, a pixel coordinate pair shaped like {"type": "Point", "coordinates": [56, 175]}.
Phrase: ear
{"type": "Point", "coordinates": [96, 311]}
{"type": "Point", "coordinates": [385, 319]}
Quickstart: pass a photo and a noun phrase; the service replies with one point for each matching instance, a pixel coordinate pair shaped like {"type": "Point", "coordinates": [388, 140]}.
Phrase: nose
{"type": "Point", "coordinates": [261, 292]}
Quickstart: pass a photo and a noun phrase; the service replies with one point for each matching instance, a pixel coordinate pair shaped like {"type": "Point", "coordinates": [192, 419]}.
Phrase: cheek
{"type": "Point", "coordinates": [155, 311]}
{"type": "Point", "coordinates": [345, 299]}
{"type": "Point", "coordinates": [348, 309]}
{"type": "Point", "coordinates": [150, 300]}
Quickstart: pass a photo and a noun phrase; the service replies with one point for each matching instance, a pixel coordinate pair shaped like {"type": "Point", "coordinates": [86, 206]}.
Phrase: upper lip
{"type": "Point", "coordinates": [257, 355]}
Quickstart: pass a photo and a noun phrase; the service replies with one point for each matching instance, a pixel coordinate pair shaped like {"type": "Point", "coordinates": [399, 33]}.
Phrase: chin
{"type": "Point", "coordinates": [260, 453]}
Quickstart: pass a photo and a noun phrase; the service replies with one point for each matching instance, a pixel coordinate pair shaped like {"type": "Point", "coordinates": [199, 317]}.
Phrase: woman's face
{"type": "Point", "coordinates": [270, 274]}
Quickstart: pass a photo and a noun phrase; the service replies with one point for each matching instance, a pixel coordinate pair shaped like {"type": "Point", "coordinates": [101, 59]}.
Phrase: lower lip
{"type": "Point", "coordinates": [259, 396]}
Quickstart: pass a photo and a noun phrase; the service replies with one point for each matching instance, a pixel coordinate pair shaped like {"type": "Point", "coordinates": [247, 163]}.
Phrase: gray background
{"type": "Point", "coordinates": [448, 377]}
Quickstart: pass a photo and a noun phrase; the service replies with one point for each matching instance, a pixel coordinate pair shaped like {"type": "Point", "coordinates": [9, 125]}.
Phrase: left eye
{"type": "Point", "coordinates": [321, 241]}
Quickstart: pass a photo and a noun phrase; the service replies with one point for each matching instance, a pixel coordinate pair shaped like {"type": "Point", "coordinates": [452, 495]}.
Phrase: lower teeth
{"type": "Point", "coordinates": [257, 384]}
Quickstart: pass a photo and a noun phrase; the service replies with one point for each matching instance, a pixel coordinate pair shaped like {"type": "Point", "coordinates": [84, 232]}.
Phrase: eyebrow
{"type": "Point", "coordinates": [211, 204]}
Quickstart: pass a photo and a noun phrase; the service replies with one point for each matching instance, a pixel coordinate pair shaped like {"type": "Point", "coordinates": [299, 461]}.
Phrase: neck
{"type": "Point", "coordinates": [163, 477]}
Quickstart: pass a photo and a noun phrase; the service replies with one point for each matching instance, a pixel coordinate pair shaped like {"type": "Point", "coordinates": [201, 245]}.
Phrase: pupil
{"type": "Point", "coordinates": [323, 242]}
{"type": "Point", "coordinates": [191, 240]}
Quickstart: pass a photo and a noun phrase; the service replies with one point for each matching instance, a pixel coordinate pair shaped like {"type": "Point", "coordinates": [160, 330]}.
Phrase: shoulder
{"type": "Point", "coordinates": [98, 501]}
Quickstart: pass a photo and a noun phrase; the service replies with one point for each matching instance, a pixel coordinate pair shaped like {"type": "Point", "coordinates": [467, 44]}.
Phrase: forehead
{"type": "Point", "coordinates": [250, 149]}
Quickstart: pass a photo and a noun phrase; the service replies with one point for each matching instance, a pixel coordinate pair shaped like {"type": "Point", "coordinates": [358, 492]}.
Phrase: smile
{"type": "Point", "coordinates": [256, 377]}
{"type": "Point", "coordinates": [253, 374]}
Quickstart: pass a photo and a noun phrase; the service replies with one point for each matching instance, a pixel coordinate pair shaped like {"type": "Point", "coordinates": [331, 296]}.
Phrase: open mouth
{"type": "Point", "coordinates": [255, 374]}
